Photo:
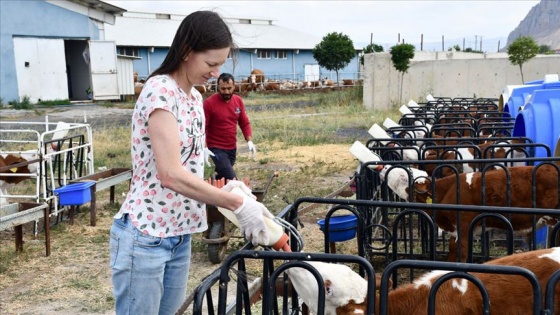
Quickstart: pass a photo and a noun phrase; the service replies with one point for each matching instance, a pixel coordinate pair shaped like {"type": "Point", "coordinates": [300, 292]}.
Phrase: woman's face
{"type": "Point", "coordinates": [202, 66]}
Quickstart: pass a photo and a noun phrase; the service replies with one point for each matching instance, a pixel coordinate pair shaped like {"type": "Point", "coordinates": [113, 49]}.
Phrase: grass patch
{"type": "Point", "coordinates": [52, 103]}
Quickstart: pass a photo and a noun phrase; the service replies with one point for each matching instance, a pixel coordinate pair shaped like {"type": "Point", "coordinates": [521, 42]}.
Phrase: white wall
{"type": "Point", "coordinates": [447, 74]}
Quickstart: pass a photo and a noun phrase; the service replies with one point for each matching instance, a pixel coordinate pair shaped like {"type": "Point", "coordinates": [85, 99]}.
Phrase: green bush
{"type": "Point", "coordinates": [23, 104]}
{"type": "Point", "coordinates": [54, 102]}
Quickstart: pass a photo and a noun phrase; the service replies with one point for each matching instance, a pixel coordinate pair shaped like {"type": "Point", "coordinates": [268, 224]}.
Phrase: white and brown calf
{"type": "Point", "coordinates": [470, 193]}
{"type": "Point", "coordinates": [345, 290]}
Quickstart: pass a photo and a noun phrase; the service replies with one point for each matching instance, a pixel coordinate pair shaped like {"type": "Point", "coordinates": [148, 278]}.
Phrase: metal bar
{"type": "Point", "coordinates": [22, 217]}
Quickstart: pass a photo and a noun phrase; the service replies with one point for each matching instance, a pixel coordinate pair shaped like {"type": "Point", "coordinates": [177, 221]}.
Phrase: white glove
{"type": "Point", "coordinates": [207, 155]}
{"type": "Point", "coordinates": [252, 148]}
{"type": "Point", "coordinates": [232, 183]}
{"type": "Point", "coordinates": [251, 221]}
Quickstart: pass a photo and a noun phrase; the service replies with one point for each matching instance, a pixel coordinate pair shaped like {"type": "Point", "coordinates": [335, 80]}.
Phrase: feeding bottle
{"type": "Point", "coordinates": [277, 239]}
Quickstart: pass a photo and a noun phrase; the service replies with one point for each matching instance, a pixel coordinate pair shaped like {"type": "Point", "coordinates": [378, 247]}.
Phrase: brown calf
{"type": "Point", "coordinates": [470, 193]}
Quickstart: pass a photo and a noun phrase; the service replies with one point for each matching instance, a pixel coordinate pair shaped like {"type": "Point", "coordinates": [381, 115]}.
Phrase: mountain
{"type": "Point", "coordinates": [542, 23]}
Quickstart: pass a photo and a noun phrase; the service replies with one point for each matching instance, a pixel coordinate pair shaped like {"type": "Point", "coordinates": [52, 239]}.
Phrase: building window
{"type": "Point", "coordinates": [280, 54]}
{"type": "Point", "coordinates": [128, 51]}
{"type": "Point", "coordinates": [263, 54]}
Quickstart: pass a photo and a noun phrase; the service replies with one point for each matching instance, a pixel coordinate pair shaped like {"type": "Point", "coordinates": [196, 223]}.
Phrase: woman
{"type": "Point", "coordinates": [151, 234]}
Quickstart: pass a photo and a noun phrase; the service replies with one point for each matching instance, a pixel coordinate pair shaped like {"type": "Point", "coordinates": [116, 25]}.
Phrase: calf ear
{"type": "Point", "coordinates": [423, 187]}
{"type": "Point", "coordinates": [378, 282]}
{"type": "Point", "coordinates": [328, 288]}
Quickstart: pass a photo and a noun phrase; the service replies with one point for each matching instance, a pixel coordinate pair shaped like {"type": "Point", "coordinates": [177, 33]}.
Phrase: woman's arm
{"type": "Point", "coordinates": [162, 127]}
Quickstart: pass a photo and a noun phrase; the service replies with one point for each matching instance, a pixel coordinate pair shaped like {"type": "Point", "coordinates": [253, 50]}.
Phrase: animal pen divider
{"type": "Point", "coordinates": [64, 152]}
{"type": "Point", "coordinates": [407, 256]}
{"type": "Point", "coordinates": [396, 214]}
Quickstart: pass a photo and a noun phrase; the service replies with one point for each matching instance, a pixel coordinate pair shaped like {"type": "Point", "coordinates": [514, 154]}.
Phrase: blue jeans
{"type": "Point", "coordinates": [149, 273]}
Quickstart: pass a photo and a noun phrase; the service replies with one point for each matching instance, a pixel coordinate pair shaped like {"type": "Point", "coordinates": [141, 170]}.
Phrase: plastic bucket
{"type": "Point", "coordinates": [341, 228]}
{"type": "Point", "coordinates": [540, 120]}
{"type": "Point", "coordinates": [74, 194]}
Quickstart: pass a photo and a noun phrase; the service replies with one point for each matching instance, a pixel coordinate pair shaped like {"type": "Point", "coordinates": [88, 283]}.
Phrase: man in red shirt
{"type": "Point", "coordinates": [224, 111]}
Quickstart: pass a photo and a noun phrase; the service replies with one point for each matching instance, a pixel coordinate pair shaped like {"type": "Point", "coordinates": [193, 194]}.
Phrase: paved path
{"type": "Point", "coordinates": [90, 113]}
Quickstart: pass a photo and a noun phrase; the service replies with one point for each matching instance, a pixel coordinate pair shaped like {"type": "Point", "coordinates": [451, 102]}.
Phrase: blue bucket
{"type": "Point", "coordinates": [540, 120]}
{"type": "Point", "coordinates": [341, 228]}
{"type": "Point", "coordinates": [74, 194]}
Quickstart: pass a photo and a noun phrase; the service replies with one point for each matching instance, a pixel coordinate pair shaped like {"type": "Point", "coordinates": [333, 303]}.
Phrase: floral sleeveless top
{"type": "Point", "coordinates": [153, 209]}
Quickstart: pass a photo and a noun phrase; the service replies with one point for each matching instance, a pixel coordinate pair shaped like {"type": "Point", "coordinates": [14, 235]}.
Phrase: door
{"type": "Point", "coordinates": [40, 68]}
{"type": "Point", "coordinates": [103, 67]}
{"type": "Point", "coordinates": [312, 73]}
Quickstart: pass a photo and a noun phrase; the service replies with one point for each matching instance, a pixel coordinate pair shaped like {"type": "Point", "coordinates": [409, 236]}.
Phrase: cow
{"type": "Point", "coordinates": [469, 186]}
{"type": "Point", "coordinates": [287, 85]}
{"type": "Point", "coordinates": [487, 150]}
{"type": "Point", "coordinates": [256, 78]}
{"type": "Point", "coordinates": [243, 86]}
{"type": "Point", "coordinates": [347, 82]}
{"type": "Point", "coordinates": [8, 181]}
{"type": "Point", "coordinates": [326, 82]}
{"type": "Point", "coordinates": [271, 86]}
{"type": "Point", "coordinates": [508, 294]}
{"type": "Point", "coordinates": [201, 88]}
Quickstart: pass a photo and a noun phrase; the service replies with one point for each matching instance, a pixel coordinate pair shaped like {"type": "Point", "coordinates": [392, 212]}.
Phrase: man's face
{"type": "Point", "coordinates": [225, 89]}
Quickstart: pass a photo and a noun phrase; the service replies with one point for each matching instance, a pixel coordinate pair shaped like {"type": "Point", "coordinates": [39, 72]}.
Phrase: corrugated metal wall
{"type": "Point", "coordinates": [125, 75]}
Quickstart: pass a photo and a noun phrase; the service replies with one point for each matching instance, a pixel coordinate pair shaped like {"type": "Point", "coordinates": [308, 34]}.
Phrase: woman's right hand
{"type": "Point", "coordinates": [251, 221]}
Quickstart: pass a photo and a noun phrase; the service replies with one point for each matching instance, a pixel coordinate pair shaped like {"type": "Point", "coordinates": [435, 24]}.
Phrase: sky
{"type": "Point", "coordinates": [383, 22]}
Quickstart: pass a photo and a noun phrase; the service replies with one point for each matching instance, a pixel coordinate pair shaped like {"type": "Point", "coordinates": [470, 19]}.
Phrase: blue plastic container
{"type": "Point", "coordinates": [74, 194]}
{"type": "Point", "coordinates": [518, 95]}
{"type": "Point", "coordinates": [542, 237]}
{"type": "Point", "coordinates": [341, 228]}
{"type": "Point", "coordinates": [540, 120]}
{"type": "Point", "coordinates": [517, 99]}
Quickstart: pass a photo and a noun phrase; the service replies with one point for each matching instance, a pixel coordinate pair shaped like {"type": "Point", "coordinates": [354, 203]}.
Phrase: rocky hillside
{"type": "Point", "coordinates": [542, 23]}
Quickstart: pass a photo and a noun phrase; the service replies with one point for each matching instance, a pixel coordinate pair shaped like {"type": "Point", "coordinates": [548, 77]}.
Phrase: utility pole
{"type": "Point", "coordinates": [475, 41]}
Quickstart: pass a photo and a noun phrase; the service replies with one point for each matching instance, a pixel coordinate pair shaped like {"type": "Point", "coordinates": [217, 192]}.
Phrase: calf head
{"type": "Point", "coordinates": [11, 159]}
{"type": "Point", "coordinates": [397, 179]}
{"type": "Point", "coordinates": [344, 288]}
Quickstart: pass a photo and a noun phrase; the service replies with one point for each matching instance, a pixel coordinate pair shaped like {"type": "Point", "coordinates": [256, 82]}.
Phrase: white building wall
{"type": "Point", "coordinates": [447, 74]}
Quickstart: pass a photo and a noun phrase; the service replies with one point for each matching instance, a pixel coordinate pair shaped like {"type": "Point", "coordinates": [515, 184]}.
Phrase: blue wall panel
{"type": "Point", "coordinates": [291, 68]}
{"type": "Point", "coordinates": [35, 19]}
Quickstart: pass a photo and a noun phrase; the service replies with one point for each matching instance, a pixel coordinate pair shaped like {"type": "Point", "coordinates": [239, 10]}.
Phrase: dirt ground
{"type": "Point", "coordinates": [68, 284]}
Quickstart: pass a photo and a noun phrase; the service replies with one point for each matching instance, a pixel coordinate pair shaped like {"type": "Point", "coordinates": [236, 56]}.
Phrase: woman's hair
{"type": "Point", "coordinates": [199, 31]}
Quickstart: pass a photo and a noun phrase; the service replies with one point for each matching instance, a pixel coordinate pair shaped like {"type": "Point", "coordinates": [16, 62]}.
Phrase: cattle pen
{"type": "Point", "coordinates": [54, 156]}
{"type": "Point", "coordinates": [398, 237]}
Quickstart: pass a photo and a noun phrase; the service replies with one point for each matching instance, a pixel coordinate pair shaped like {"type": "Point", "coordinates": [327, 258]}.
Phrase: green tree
{"type": "Point", "coordinates": [522, 50]}
{"type": "Point", "coordinates": [334, 52]}
{"type": "Point", "coordinates": [454, 48]}
{"type": "Point", "coordinates": [369, 49]}
{"type": "Point", "coordinates": [544, 49]}
{"type": "Point", "coordinates": [401, 55]}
